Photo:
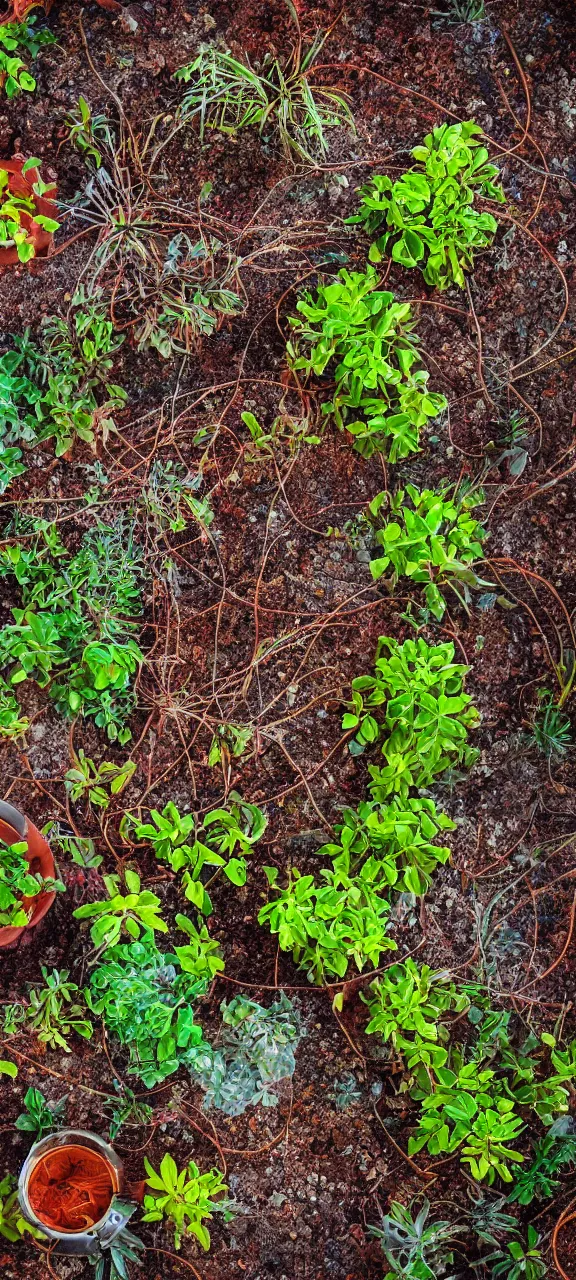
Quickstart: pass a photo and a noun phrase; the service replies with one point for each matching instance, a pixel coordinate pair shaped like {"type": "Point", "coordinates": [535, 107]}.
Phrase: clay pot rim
{"type": "Point", "coordinates": [41, 902]}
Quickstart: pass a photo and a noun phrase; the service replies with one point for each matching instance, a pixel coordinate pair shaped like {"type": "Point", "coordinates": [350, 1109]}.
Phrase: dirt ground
{"type": "Point", "coordinates": [311, 1176]}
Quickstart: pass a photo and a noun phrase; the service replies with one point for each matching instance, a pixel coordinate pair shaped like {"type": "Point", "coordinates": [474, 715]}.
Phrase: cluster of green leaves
{"type": "Point", "coordinates": [229, 741]}
{"type": "Point", "coordinates": [396, 836]}
{"type": "Point", "coordinates": [327, 925]}
{"type": "Point", "coordinates": [12, 1225]}
{"type": "Point", "coordinates": [415, 1248]}
{"type": "Point", "coordinates": [428, 214]}
{"type": "Point", "coordinates": [17, 881]}
{"type": "Point", "coordinates": [130, 913]}
{"type": "Point", "coordinates": [367, 338]}
{"type": "Point", "coordinates": [60, 389]}
{"type": "Point", "coordinates": [185, 1198]}
{"type": "Point", "coordinates": [468, 1107]}
{"type": "Point", "coordinates": [426, 720]}
{"type": "Point", "coordinates": [94, 782]}
{"type": "Point", "coordinates": [470, 1099]}
{"type": "Point", "coordinates": [126, 1109]}
{"type": "Point", "coordinates": [255, 1050]}
{"type": "Point", "coordinates": [17, 38]}
{"type": "Point", "coordinates": [407, 1004]}
{"type": "Point", "coordinates": [13, 230]}
{"type": "Point", "coordinates": [40, 1116]}
{"type": "Point", "coordinates": [52, 1013]}
{"type": "Point", "coordinates": [222, 839]}
{"type": "Point", "coordinates": [126, 1247]}
{"type": "Point", "coordinates": [170, 497]}
{"type": "Point", "coordinates": [518, 1261]}
{"type": "Point", "coordinates": [74, 632]}
{"type": "Point", "coordinates": [285, 432]}
{"type": "Point", "coordinates": [226, 94]}
{"type": "Point", "coordinates": [434, 542]}
{"type": "Point", "coordinates": [551, 1154]}
{"type": "Point", "coordinates": [145, 996]}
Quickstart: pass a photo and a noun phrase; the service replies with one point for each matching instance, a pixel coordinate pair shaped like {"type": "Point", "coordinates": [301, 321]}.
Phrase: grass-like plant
{"type": "Point", "coordinates": [177, 286]}
{"type": "Point", "coordinates": [426, 718]}
{"type": "Point", "coordinates": [186, 1198]}
{"type": "Point", "coordinates": [435, 542]}
{"type": "Point", "coordinates": [415, 1248]}
{"type": "Point", "coordinates": [365, 339]}
{"type": "Point", "coordinates": [226, 93]}
{"type": "Point", "coordinates": [428, 215]}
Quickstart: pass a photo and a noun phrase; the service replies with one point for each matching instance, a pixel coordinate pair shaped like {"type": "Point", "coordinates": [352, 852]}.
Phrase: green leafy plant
{"type": "Point", "coordinates": [428, 213]}
{"type": "Point", "coordinates": [186, 1198]}
{"type": "Point", "coordinates": [119, 912]}
{"type": "Point", "coordinates": [285, 432]}
{"type": "Point", "coordinates": [407, 1004]}
{"type": "Point", "coordinates": [230, 740]}
{"type": "Point", "coordinates": [201, 955]}
{"type": "Point", "coordinates": [145, 998]}
{"type": "Point", "coordinates": [92, 781]}
{"type": "Point", "coordinates": [426, 719]}
{"type": "Point", "coordinates": [74, 631]}
{"type": "Point", "coordinates": [369, 338]}
{"type": "Point", "coordinates": [414, 1247]}
{"type": "Point", "coordinates": [467, 1108]}
{"type": "Point", "coordinates": [125, 1247]}
{"type": "Point", "coordinates": [8, 1068]}
{"type": "Point", "coordinates": [12, 1225]}
{"type": "Point", "coordinates": [17, 883]}
{"type": "Point", "coordinates": [20, 218]}
{"type": "Point", "coordinates": [255, 1050]}
{"type": "Point", "coordinates": [170, 497]}
{"type": "Point", "coordinates": [225, 93]}
{"type": "Point", "coordinates": [519, 1261]}
{"type": "Point", "coordinates": [398, 836]}
{"type": "Point", "coordinates": [54, 1011]}
{"type": "Point", "coordinates": [80, 849]}
{"type": "Point", "coordinates": [435, 542]}
{"type": "Point", "coordinates": [87, 132]}
{"type": "Point", "coordinates": [551, 1154]}
{"type": "Point", "coordinates": [188, 844]}
{"type": "Point", "coordinates": [328, 925]}
{"type": "Point", "coordinates": [488, 1220]}
{"type": "Point", "coordinates": [550, 728]}
{"type": "Point", "coordinates": [17, 38]}
{"type": "Point", "coordinates": [40, 1116]}
{"type": "Point", "coordinates": [65, 380]}
{"type": "Point", "coordinates": [128, 1110]}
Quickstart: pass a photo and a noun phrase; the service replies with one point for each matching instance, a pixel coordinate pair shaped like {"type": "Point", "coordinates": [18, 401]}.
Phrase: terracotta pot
{"type": "Point", "coordinates": [21, 185]}
{"type": "Point", "coordinates": [14, 827]}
